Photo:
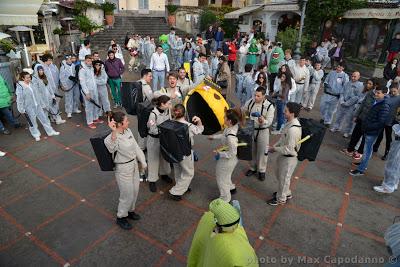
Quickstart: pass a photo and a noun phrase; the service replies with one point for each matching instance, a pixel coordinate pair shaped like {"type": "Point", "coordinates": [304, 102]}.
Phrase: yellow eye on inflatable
{"type": "Point", "coordinates": [208, 104]}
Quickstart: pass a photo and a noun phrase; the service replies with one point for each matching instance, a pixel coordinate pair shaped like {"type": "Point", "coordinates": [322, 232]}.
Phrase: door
{"type": "Point", "coordinates": [143, 4]}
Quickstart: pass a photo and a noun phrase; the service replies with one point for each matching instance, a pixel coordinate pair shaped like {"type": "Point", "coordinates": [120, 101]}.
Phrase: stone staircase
{"type": "Point", "coordinates": [152, 26]}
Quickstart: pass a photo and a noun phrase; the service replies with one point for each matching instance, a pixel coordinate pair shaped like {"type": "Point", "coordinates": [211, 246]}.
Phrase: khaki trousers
{"type": "Point", "coordinates": [156, 164]}
{"type": "Point", "coordinates": [184, 172]}
{"type": "Point", "coordinates": [285, 169]}
{"type": "Point", "coordinates": [223, 173]}
{"type": "Point", "coordinates": [127, 176]}
{"type": "Point", "coordinates": [259, 162]}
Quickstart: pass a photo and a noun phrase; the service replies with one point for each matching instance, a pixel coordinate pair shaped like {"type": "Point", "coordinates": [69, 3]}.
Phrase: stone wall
{"type": "Point", "coordinates": [188, 20]}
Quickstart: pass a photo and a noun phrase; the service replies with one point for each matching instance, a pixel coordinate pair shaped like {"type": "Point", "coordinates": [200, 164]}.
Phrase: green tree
{"type": "Point", "coordinates": [207, 18]}
{"type": "Point", "coordinates": [319, 11]}
{"type": "Point", "coordinates": [288, 38]}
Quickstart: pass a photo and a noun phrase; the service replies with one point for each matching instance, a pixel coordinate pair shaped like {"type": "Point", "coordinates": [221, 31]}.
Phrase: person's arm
{"type": "Point", "coordinates": [121, 67]}
{"type": "Point", "coordinates": [307, 80]}
{"type": "Point", "coordinates": [269, 116]}
{"type": "Point", "coordinates": [82, 81]}
{"type": "Point", "coordinates": [232, 148]}
{"type": "Point", "coordinates": [152, 62]}
{"type": "Point", "coordinates": [20, 99]}
{"type": "Point", "coordinates": [140, 157]}
{"type": "Point", "coordinates": [383, 115]}
{"type": "Point", "coordinates": [103, 77]}
{"type": "Point", "coordinates": [166, 62]}
{"type": "Point", "coordinates": [111, 142]}
{"type": "Point", "coordinates": [289, 148]}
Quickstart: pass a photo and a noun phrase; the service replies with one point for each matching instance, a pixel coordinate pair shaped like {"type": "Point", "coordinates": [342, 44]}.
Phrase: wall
{"type": "Point", "coordinates": [157, 5]}
{"type": "Point", "coordinates": [192, 26]}
{"type": "Point", "coordinates": [95, 15]}
{"type": "Point", "coordinates": [189, 2]}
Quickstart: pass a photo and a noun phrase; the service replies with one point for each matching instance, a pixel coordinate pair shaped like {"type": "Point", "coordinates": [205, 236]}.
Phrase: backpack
{"type": "Point", "coordinates": [174, 141]}
{"type": "Point", "coordinates": [245, 135]}
{"type": "Point", "coordinates": [131, 96]}
{"type": "Point", "coordinates": [143, 113]}
{"type": "Point", "coordinates": [104, 157]}
{"type": "Point", "coordinates": [309, 148]}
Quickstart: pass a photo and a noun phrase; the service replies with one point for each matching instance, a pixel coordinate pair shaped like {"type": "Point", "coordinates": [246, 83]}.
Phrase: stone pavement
{"type": "Point", "coordinates": [58, 208]}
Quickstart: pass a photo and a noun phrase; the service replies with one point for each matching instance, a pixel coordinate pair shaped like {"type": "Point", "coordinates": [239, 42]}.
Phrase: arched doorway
{"type": "Point", "coordinates": [288, 20]}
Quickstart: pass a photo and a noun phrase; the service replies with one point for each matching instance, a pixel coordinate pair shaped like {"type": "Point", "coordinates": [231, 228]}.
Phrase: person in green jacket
{"type": "Point", "coordinates": [5, 107]}
{"type": "Point", "coordinates": [220, 240]}
{"type": "Point", "coordinates": [277, 56]}
{"type": "Point", "coordinates": [252, 53]}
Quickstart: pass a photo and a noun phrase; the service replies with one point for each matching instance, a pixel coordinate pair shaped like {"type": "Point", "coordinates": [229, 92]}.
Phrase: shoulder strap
{"type": "Point", "coordinates": [251, 105]}
{"type": "Point", "coordinates": [299, 126]}
{"type": "Point", "coordinates": [180, 91]}
{"type": "Point", "coordinates": [231, 135]}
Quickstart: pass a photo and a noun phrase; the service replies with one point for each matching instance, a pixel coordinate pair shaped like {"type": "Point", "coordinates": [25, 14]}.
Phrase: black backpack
{"type": "Point", "coordinates": [104, 157]}
{"type": "Point", "coordinates": [174, 141]}
{"type": "Point", "coordinates": [131, 96]}
{"type": "Point", "coordinates": [245, 135]}
{"type": "Point", "coordinates": [143, 113]}
{"type": "Point", "coordinates": [309, 148]}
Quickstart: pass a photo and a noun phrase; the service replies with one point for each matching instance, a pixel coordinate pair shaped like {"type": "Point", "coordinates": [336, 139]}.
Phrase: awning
{"type": "Point", "coordinates": [237, 13]}
{"type": "Point", "coordinates": [19, 12]}
{"type": "Point", "coordinates": [373, 13]}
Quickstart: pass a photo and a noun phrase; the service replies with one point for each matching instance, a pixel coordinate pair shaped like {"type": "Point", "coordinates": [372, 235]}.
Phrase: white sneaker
{"type": "Point", "coordinates": [69, 115]}
{"type": "Point", "coordinates": [60, 122]}
{"type": "Point", "coordinates": [37, 139]}
{"type": "Point", "coordinates": [54, 133]}
{"type": "Point", "coordinates": [2, 154]}
{"type": "Point", "coordinates": [77, 111]}
{"type": "Point", "coordinates": [382, 189]}
{"type": "Point", "coordinates": [274, 125]}
{"type": "Point", "coordinates": [346, 135]}
{"type": "Point", "coordinates": [276, 132]}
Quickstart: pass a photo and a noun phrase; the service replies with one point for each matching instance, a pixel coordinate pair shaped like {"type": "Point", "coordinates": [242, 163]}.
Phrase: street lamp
{"type": "Point", "coordinates": [297, 51]}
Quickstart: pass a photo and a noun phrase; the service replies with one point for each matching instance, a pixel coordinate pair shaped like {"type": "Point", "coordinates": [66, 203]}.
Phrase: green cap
{"type": "Point", "coordinates": [224, 213]}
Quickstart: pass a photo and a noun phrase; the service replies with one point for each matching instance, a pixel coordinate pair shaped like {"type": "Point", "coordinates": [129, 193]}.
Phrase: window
{"type": "Point", "coordinates": [212, 2]}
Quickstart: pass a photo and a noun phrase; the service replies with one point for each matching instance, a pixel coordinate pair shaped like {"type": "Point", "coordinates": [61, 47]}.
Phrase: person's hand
{"type": "Point", "coordinates": [112, 124]}
{"type": "Point", "coordinates": [196, 120]}
{"type": "Point", "coordinates": [271, 149]}
{"type": "Point", "coordinates": [88, 96]}
{"type": "Point", "coordinates": [261, 120]}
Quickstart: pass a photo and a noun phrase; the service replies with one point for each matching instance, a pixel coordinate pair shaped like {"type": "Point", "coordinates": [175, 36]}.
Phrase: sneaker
{"type": "Point", "coordinates": [357, 156]}
{"type": "Point", "coordinates": [274, 125]}
{"type": "Point", "coordinates": [123, 223]}
{"type": "Point", "coordinates": [346, 152]}
{"type": "Point", "coordinates": [356, 173]}
{"type": "Point", "coordinates": [143, 178]}
{"type": "Point", "coordinates": [153, 187]}
{"type": "Point", "coordinates": [92, 126]}
{"type": "Point", "coordinates": [275, 202]}
{"type": "Point", "coordinates": [261, 176]}
{"type": "Point", "coordinates": [346, 135]}
{"type": "Point", "coordinates": [6, 132]}
{"type": "Point", "coordinates": [250, 173]}
{"type": "Point", "coordinates": [175, 197]}
{"type": "Point", "coordinates": [133, 216]}
{"type": "Point", "coordinates": [69, 115]}
{"type": "Point", "coordinates": [333, 130]}
{"type": "Point", "coordinates": [2, 154]}
{"type": "Point", "coordinates": [287, 197]}
{"type": "Point", "coordinates": [54, 133]}
{"type": "Point", "coordinates": [167, 179]}
{"type": "Point", "coordinates": [233, 191]}
{"type": "Point", "coordinates": [60, 122]}
{"type": "Point", "coordinates": [37, 139]}
{"type": "Point", "coordinates": [382, 189]}
{"type": "Point", "coordinates": [98, 121]}
{"type": "Point", "coordinates": [77, 111]}
{"type": "Point", "coordinates": [275, 132]}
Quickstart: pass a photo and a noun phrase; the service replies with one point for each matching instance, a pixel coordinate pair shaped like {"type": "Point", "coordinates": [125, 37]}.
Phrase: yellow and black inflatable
{"type": "Point", "coordinates": [206, 102]}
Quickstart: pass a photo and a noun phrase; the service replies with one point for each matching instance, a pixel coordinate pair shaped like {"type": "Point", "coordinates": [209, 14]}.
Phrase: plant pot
{"type": "Point", "coordinates": [171, 20]}
{"type": "Point", "coordinates": [109, 20]}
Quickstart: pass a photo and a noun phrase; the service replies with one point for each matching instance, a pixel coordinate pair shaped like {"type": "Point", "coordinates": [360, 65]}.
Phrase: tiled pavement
{"type": "Point", "coordinates": [58, 208]}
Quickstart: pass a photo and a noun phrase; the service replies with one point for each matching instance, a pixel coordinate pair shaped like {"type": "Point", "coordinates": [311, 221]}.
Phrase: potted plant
{"type": "Point", "coordinates": [108, 9]}
{"type": "Point", "coordinates": [85, 25]}
{"type": "Point", "coordinates": [171, 14]}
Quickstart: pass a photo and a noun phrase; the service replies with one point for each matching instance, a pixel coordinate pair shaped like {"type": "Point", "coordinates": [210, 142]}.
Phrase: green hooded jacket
{"type": "Point", "coordinates": [277, 56]}
{"type": "Point", "coordinates": [5, 95]}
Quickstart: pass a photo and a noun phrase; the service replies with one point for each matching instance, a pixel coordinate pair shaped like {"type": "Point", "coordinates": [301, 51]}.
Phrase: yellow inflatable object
{"type": "Point", "coordinates": [186, 66]}
{"type": "Point", "coordinates": [206, 102]}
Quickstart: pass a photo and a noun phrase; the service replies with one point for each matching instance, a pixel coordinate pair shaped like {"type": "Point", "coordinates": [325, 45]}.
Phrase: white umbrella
{"type": "Point", "coordinates": [4, 35]}
{"type": "Point", "coordinates": [21, 29]}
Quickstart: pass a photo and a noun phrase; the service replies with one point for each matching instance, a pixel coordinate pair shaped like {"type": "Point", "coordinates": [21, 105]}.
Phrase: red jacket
{"type": "Point", "coordinates": [232, 52]}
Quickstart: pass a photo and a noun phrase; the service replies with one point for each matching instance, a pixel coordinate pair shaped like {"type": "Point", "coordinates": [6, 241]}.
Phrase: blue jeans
{"type": "Point", "coordinates": [158, 76]}
{"type": "Point", "coordinates": [218, 44]}
{"type": "Point", "coordinates": [280, 116]}
{"type": "Point", "coordinates": [369, 143]}
{"type": "Point", "coordinates": [7, 113]}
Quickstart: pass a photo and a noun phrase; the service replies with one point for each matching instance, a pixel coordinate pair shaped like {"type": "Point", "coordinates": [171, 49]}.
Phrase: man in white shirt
{"type": "Point", "coordinates": [301, 75]}
{"type": "Point", "coordinates": [159, 65]}
{"type": "Point", "coordinates": [85, 50]}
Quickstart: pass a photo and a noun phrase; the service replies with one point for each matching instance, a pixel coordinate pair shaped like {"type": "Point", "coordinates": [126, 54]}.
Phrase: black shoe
{"type": "Point", "coordinates": [123, 223]}
{"type": "Point", "coordinates": [6, 132]}
{"type": "Point", "coordinates": [188, 190]}
{"type": "Point", "coordinates": [233, 191]}
{"type": "Point", "coordinates": [133, 216]}
{"type": "Point", "coordinates": [321, 121]}
{"type": "Point", "coordinates": [384, 157]}
{"type": "Point", "coordinates": [166, 179]}
{"type": "Point", "coordinates": [195, 157]}
{"type": "Point", "coordinates": [287, 197]}
{"type": "Point", "coordinates": [18, 125]}
{"type": "Point", "coordinates": [275, 202]}
{"type": "Point", "coordinates": [261, 176]}
{"type": "Point", "coordinates": [153, 187]}
{"type": "Point", "coordinates": [250, 173]}
{"type": "Point", "coordinates": [175, 197]}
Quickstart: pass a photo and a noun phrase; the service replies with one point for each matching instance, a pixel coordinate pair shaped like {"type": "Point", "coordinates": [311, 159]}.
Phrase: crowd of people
{"type": "Point", "coordinates": [271, 87]}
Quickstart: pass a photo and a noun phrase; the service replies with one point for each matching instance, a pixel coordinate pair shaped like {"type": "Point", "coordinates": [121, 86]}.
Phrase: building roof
{"type": "Point", "coordinates": [245, 10]}
{"type": "Point", "coordinates": [19, 12]}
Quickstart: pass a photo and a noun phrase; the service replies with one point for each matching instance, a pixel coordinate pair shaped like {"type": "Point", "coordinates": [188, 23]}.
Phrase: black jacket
{"type": "Point", "coordinates": [365, 106]}
{"type": "Point", "coordinates": [376, 118]}
{"type": "Point", "coordinates": [333, 51]}
{"type": "Point", "coordinates": [389, 73]}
